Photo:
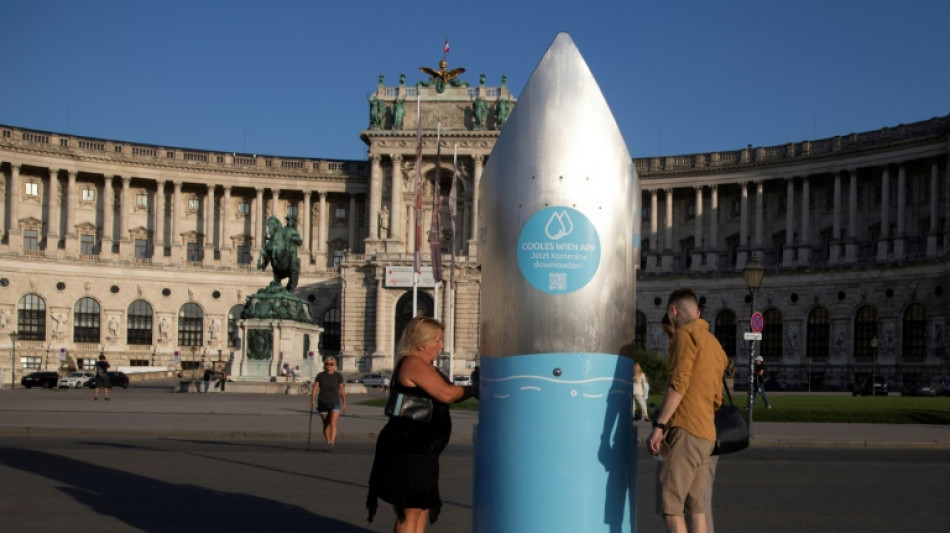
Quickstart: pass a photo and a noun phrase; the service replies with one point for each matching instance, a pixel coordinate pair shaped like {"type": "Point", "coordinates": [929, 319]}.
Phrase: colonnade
{"type": "Point", "coordinates": [800, 237]}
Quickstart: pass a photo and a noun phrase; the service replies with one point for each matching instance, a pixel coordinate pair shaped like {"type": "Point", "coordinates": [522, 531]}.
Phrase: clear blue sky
{"type": "Point", "coordinates": [291, 78]}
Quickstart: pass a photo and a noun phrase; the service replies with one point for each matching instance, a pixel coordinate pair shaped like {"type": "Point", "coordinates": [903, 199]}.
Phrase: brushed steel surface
{"type": "Point", "coordinates": [560, 147]}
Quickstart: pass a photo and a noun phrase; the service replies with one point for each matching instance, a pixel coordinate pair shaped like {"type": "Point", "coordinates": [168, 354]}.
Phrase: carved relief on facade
{"type": "Point", "coordinates": [113, 329]}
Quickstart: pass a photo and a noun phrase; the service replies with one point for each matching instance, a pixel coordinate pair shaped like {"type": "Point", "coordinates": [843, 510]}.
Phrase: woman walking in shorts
{"type": "Point", "coordinates": [330, 395]}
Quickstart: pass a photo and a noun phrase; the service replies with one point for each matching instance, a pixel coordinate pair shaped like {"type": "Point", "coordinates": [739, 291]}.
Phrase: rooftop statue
{"type": "Point", "coordinates": [443, 76]}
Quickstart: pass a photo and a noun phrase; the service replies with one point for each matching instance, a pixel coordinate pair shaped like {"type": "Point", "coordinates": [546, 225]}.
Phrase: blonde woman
{"type": "Point", "coordinates": [641, 386]}
{"type": "Point", "coordinates": [406, 467]}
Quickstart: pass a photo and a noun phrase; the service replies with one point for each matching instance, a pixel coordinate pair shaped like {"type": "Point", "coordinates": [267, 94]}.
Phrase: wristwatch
{"type": "Point", "coordinates": [657, 424]}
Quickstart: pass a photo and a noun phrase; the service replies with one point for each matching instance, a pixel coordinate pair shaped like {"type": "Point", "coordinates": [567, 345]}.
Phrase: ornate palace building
{"type": "Point", "coordinates": [147, 253]}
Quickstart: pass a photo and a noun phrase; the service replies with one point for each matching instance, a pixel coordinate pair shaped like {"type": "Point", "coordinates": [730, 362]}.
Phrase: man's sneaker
{"type": "Point", "coordinates": [330, 447]}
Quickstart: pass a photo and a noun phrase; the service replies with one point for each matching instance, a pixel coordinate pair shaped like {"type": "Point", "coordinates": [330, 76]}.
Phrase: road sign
{"type": "Point", "coordinates": [757, 322]}
{"type": "Point", "coordinates": [753, 336]}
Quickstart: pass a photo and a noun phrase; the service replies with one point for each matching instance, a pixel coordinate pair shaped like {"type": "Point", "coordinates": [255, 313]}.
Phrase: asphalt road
{"type": "Point", "coordinates": [156, 484]}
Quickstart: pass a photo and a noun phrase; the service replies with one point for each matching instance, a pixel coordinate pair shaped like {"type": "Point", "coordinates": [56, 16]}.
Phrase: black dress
{"type": "Point", "coordinates": [406, 467]}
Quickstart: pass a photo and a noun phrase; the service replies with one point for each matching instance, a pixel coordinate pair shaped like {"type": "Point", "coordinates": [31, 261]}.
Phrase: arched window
{"type": "Point", "coordinates": [424, 307]}
{"type": "Point", "coordinates": [773, 335]}
{"type": "Point", "coordinates": [233, 316]}
{"type": "Point", "coordinates": [86, 321]}
{"type": "Point", "coordinates": [331, 331]}
{"type": "Point", "coordinates": [190, 325]}
{"type": "Point", "coordinates": [914, 333]}
{"type": "Point", "coordinates": [818, 335]}
{"type": "Point", "coordinates": [865, 329]}
{"type": "Point", "coordinates": [31, 318]}
{"type": "Point", "coordinates": [640, 333]}
{"type": "Point", "coordinates": [726, 331]}
{"type": "Point", "coordinates": [140, 323]}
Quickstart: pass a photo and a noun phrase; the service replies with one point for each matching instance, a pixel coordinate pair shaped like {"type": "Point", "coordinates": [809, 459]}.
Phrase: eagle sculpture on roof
{"type": "Point", "coordinates": [443, 76]}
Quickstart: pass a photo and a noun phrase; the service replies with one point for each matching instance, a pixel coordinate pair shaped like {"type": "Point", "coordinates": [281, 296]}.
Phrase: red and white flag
{"type": "Point", "coordinates": [417, 182]}
{"type": "Point", "coordinates": [445, 49]}
{"type": "Point", "coordinates": [435, 229]}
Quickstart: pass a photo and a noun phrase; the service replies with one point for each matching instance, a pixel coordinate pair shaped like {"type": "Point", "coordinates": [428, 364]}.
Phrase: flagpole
{"type": "Point", "coordinates": [452, 212]}
{"type": "Point", "coordinates": [417, 207]}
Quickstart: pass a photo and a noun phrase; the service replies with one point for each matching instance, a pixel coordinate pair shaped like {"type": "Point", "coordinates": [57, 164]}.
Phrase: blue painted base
{"type": "Point", "coordinates": [555, 453]}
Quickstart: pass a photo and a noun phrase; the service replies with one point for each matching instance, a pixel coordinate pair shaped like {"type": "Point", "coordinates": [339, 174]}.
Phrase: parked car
{"type": "Point", "coordinates": [75, 380]}
{"type": "Point", "coordinates": [116, 379]}
{"type": "Point", "coordinates": [369, 380]}
{"type": "Point", "coordinates": [47, 380]}
{"type": "Point", "coordinates": [943, 386]}
{"type": "Point", "coordinates": [922, 386]}
{"type": "Point", "coordinates": [462, 380]}
{"type": "Point", "coordinates": [862, 387]}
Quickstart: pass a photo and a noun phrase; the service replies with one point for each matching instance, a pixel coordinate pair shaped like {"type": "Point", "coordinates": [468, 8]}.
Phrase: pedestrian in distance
{"type": "Point", "coordinates": [406, 465]}
{"type": "Point", "coordinates": [759, 378]}
{"type": "Point", "coordinates": [102, 378]}
{"type": "Point", "coordinates": [329, 395]}
{"type": "Point", "coordinates": [641, 386]}
{"type": "Point", "coordinates": [684, 430]}
{"type": "Point", "coordinates": [208, 376]}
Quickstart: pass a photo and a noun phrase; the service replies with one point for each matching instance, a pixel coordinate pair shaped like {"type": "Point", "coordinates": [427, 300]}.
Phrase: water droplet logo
{"type": "Point", "coordinates": [559, 226]}
{"type": "Point", "coordinates": [558, 250]}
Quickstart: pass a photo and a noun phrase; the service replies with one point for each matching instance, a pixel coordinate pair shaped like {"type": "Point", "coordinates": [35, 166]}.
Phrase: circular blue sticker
{"type": "Point", "coordinates": [558, 250]}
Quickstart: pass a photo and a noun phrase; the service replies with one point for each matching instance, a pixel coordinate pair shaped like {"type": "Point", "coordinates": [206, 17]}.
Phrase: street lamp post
{"type": "Point", "coordinates": [753, 274]}
{"type": "Point", "coordinates": [874, 343]}
{"type": "Point", "coordinates": [13, 335]}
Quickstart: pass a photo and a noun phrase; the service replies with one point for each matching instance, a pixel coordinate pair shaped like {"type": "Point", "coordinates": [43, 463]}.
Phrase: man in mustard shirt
{"type": "Point", "coordinates": [684, 431]}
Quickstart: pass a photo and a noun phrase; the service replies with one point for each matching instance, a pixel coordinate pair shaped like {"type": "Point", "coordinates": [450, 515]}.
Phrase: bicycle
{"type": "Point", "coordinates": [305, 388]}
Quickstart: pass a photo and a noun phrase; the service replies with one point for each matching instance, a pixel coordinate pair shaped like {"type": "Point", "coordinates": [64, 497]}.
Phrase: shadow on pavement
{"type": "Point", "coordinates": [156, 506]}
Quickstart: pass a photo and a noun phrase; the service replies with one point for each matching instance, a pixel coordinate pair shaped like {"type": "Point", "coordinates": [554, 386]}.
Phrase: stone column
{"type": "Point", "coordinates": [177, 256]}
{"type": "Point", "coordinates": [125, 244]}
{"type": "Point", "coordinates": [16, 198]}
{"type": "Point", "coordinates": [742, 252]}
{"type": "Point", "coordinates": [712, 247]}
{"type": "Point", "coordinates": [381, 344]}
{"type": "Point", "coordinates": [375, 202]}
{"type": "Point", "coordinates": [353, 220]}
{"type": "Point", "coordinates": [900, 239]}
{"type": "Point", "coordinates": [696, 263]}
{"type": "Point", "coordinates": [934, 208]}
{"type": "Point", "coordinates": [479, 161]}
{"type": "Point", "coordinates": [274, 197]}
{"type": "Point", "coordinates": [72, 203]}
{"type": "Point", "coordinates": [395, 201]}
{"type": "Point", "coordinates": [305, 221]}
{"type": "Point", "coordinates": [804, 238]}
{"type": "Point", "coordinates": [653, 255]}
{"type": "Point", "coordinates": [759, 214]}
{"type": "Point", "coordinates": [788, 250]}
{"type": "Point", "coordinates": [4, 195]}
{"type": "Point", "coordinates": [158, 254]}
{"type": "Point", "coordinates": [834, 254]}
{"type": "Point", "coordinates": [851, 246]}
{"type": "Point", "coordinates": [107, 247]}
{"type": "Point", "coordinates": [884, 242]}
{"type": "Point", "coordinates": [258, 224]}
{"type": "Point", "coordinates": [224, 240]}
{"type": "Point", "coordinates": [52, 214]}
{"type": "Point", "coordinates": [321, 256]}
{"type": "Point", "coordinates": [666, 262]}
{"type": "Point", "coordinates": [208, 209]}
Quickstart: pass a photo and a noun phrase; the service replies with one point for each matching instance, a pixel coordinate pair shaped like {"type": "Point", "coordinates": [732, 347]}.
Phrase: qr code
{"type": "Point", "coordinates": [557, 281]}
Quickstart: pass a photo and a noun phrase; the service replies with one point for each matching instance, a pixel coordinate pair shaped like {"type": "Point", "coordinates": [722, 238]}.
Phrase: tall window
{"type": "Point", "coordinates": [190, 325]}
{"type": "Point", "coordinates": [331, 330]}
{"type": "Point", "coordinates": [726, 331]}
{"type": "Point", "coordinates": [773, 335]}
{"type": "Point", "coordinates": [865, 329]}
{"type": "Point", "coordinates": [88, 194]}
{"type": "Point", "coordinates": [914, 332]}
{"type": "Point", "coordinates": [31, 318]}
{"type": "Point", "coordinates": [140, 323]}
{"type": "Point", "coordinates": [244, 254]}
{"type": "Point", "coordinates": [143, 249]}
{"type": "Point", "coordinates": [86, 316]}
{"type": "Point", "coordinates": [194, 251]}
{"type": "Point", "coordinates": [31, 241]}
{"type": "Point", "coordinates": [141, 200]}
{"type": "Point", "coordinates": [87, 244]}
{"type": "Point", "coordinates": [640, 331]}
{"type": "Point", "coordinates": [244, 207]}
{"type": "Point", "coordinates": [32, 188]}
{"type": "Point", "coordinates": [292, 210]}
{"type": "Point", "coordinates": [818, 335]}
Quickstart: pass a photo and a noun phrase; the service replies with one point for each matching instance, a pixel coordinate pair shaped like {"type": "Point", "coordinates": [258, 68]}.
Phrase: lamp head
{"type": "Point", "coordinates": [753, 274]}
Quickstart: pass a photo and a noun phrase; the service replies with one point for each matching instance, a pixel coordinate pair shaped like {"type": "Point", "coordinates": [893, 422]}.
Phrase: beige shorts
{"type": "Point", "coordinates": [682, 476]}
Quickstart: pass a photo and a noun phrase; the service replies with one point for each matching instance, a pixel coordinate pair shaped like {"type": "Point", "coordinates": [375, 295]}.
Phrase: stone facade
{"type": "Point", "coordinates": [143, 252]}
